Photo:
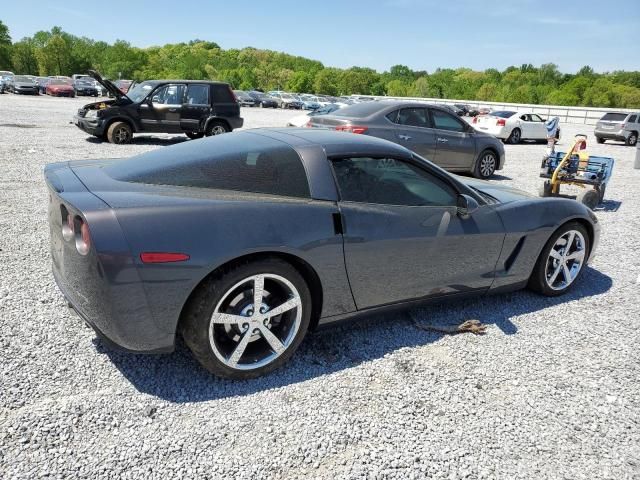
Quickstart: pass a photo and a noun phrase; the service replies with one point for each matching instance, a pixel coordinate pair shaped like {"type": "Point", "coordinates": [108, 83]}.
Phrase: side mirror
{"type": "Point", "coordinates": [466, 205]}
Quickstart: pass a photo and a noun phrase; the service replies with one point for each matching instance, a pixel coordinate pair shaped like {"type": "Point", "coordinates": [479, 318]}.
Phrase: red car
{"type": "Point", "coordinates": [123, 85]}
{"type": "Point", "coordinates": [59, 87]}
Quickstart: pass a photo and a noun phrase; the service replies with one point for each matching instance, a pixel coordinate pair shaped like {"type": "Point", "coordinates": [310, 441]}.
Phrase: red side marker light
{"type": "Point", "coordinates": [163, 257]}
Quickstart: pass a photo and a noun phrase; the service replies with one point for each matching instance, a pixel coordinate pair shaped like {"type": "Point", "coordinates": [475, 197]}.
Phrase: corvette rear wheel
{"type": "Point", "coordinates": [561, 261]}
{"type": "Point", "coordinates": [248, 321]}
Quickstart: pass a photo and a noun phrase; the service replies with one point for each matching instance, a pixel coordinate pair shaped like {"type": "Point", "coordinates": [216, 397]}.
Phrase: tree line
{"type": "Point", "coordinates": [56, 52]}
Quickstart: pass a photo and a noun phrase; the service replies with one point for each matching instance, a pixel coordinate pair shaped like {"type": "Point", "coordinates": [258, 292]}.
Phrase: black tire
{"type": "Point", "coordinates": [545, 189]}
{"type": "Point", "coordinates": [515, 137]}
{"type": "Point", "coordinates": [486, 164]}
{"type": "Point", "coordinates": [632, 139]}
{"type": "Point", "coordinates": [216, 127]}
{"type": "Point", "coordinates": [119, 133]}
{"type": "Point", "coordinates": [589, 198]}
{"type": "Point", "coordinates": [599, 139]}
{"type": "Point", "coordinates": [194, 135]}
{"type": "Point", "coordinates": [196, 320]}
{"type": "Point", "coordinates": [538, 279]}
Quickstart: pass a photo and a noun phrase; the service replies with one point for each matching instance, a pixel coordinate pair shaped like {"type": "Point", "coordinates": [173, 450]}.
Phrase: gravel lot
{"type": "Point", "coordinates": [551, 391]}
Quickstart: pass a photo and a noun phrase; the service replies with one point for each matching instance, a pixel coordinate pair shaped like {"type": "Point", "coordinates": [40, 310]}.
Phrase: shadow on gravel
{"type": "Point", "coordinates": [146, 140]}
{"type": "Point", "coordinates": [608, 206]}
{"type": "Point", "coordinates": [179, 378]}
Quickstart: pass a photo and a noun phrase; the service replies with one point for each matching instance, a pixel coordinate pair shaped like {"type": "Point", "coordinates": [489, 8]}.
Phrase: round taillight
{"type": "Point", "coordinates": [67, 227]}
{"type": "Point", "coordinates": [83, 237]}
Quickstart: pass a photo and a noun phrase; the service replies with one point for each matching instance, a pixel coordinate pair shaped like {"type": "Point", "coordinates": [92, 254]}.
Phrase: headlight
{"type": "Point", "coordinates": [91, 114]}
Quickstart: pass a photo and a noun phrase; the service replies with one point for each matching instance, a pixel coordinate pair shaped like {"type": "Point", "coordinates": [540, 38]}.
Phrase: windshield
{"type": "Point", "coordinates": [59, 81]}
{"type": "Point", "coordinates": [84, 83]}
{"type": "Point", "coordinates": [140, 91]}
{"type": "Point", "coordinates": [22, 78]}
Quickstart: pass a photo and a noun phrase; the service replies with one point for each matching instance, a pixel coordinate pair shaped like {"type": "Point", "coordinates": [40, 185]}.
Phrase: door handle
{"type": "Point", "coordinates": [173, 109]}
{"type": "Point", "coordinates": [442, 140]}
{"type": "Point", "coordinates": [404, 137]}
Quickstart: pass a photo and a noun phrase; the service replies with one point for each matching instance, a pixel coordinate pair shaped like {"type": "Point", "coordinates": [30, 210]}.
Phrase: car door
{"type": "Point", "coordinates": [163, 110]}
{"type": "Point", "coordinates": [403, 238]}
{"type": "Point", "coordinates": [455, 143]}
{"type": "Point", "coordinates": [196, 108]}
{"type": "Point", "coordinates": [538, 128]}
{"type": "Point", "coordinates": [526, 126]}
{"type": "Point", "coordinates": [413, 131]}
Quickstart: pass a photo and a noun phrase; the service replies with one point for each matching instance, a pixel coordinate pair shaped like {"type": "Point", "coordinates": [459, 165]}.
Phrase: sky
{"type": "Point", "coordinates": [422, 34]}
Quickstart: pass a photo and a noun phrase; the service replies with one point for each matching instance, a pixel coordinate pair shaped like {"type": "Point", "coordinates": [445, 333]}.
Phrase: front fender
{"type": "Point", "coordinates": [528, 225]}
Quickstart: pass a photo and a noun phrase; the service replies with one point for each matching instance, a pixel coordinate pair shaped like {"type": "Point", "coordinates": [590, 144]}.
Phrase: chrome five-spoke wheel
{"type": "Point", "coordinates": [255, 321]}
{"type": "Point", "coordinates": [565, 260]}
{"type": "Point", "coordinates": [562, 260]}
{"type": "Point", "coordinates": [248, 320]}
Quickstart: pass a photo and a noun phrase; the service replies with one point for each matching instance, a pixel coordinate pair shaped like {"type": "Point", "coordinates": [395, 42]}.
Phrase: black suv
{"type": "Point", "coordinates": [194, 107]}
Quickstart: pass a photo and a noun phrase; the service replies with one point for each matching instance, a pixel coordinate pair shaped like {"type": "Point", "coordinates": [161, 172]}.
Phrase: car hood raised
{"type": "Point", "coordinates": [111, 88]}
{"type": "Point", "coordinates": [502, 193]}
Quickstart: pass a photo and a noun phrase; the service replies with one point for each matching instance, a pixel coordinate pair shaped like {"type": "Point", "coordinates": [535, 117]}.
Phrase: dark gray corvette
{"type": "Point", "coordinates": [243, 242]}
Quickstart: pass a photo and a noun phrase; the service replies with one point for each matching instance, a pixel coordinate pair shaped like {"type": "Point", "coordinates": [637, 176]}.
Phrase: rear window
{"type": "Point", "coordinates": [614, 117]}
{"type": "Point", "coordinates": [223, 94]}
{"type": "Point", "coordinates": [503, 114]}
{"type": "Point", "coordinates": [359, 110]}
{"type": "Point", "coordinates": [237, 161]}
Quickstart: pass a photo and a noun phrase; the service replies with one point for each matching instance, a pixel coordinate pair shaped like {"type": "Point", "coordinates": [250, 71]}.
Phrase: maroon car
{"type": "Point", "coordinates": [123, 85]}
{"type": "Point", "coordinates": [60, 87]}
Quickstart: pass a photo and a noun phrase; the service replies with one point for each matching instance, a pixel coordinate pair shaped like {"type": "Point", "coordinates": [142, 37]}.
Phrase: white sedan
{"type": "Point", "coordinates": [513, 127]}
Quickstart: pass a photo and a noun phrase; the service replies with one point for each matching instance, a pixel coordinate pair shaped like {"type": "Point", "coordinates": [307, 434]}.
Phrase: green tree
{"type": "Point", "coordinates": [5, 48]}
{"type": "Point", "coordinates": [300, 82]}
{"type": "Point", "coordinates": [398, 88]}
{"type": "Point", "coordinates": [24, 57]}
{"type": "Point", "coordinates": [326, 82]}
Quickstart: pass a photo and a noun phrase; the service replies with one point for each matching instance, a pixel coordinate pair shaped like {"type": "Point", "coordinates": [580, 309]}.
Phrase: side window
{"type": "Point", "coordinates": [198, 94]}
{"type": "Point", "coordinates": [390, 181]}
{"type": "Point", "coordinates": [169, 95]}
{"type": "Point", "coordinates": [413, 117]}
{"type": "Point", "coordinates": [223, 94]}
{"type": "Point", "coordinates": [536, 118]}
{"type": "Point", "coordinates": [632, 119]}
{"type": "Point", "coordinates": [445, 121]}
{"type": "Point", "coordinates": [393, 116]}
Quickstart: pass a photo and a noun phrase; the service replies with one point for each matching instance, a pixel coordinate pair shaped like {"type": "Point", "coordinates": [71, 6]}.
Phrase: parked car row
{"type": "Point", "coordinates": [515, 126]}
{"type": "Point", "coordinates": [55, 85]}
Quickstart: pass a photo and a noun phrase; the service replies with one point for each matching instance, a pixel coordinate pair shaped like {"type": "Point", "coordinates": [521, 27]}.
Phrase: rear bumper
{"type": "Point", "coordinates": [113, 332]}
{"type": "Point", "coordinates": [612, 134]}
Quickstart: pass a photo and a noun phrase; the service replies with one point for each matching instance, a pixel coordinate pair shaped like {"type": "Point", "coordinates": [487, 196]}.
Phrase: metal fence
{"type": "Point", "coordinates": [581, 115]}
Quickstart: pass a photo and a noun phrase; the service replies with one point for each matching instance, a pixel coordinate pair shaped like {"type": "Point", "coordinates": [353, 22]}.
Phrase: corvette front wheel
{"type": "Point", "coordinates": [561, 261]}
{"type": "Point", "coordinates": [248, 321]}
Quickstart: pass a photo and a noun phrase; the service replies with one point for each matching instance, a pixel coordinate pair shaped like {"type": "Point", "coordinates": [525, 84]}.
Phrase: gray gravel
{"type": "Point", "coordinates": [551, 391]}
